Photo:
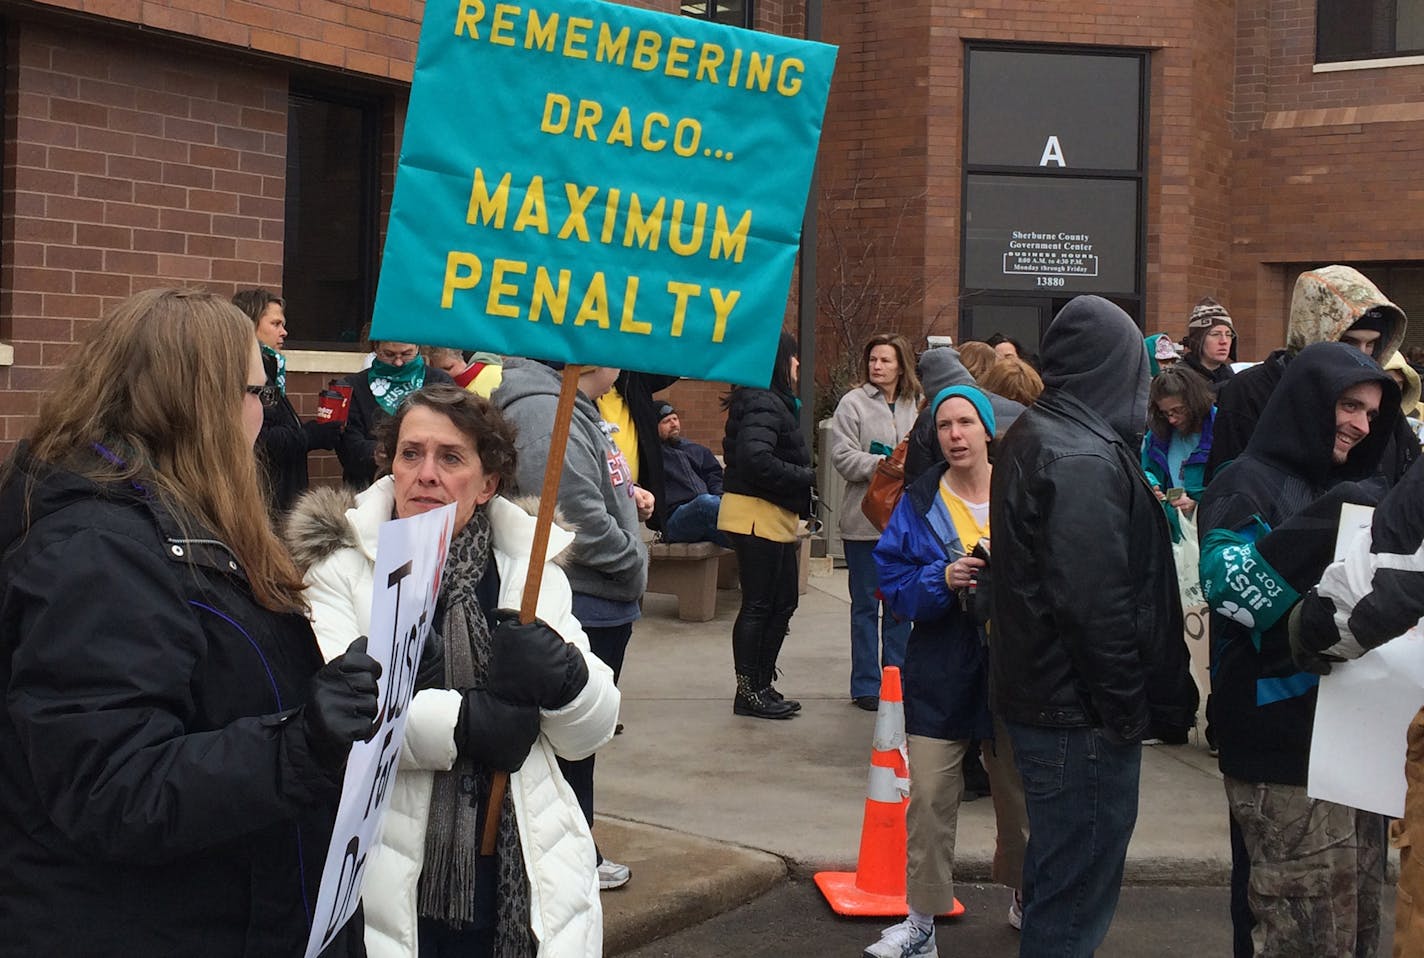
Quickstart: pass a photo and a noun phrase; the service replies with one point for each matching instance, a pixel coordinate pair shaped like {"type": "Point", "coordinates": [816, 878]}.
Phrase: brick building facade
{"type": "Point", "coordinates": [154, 142]}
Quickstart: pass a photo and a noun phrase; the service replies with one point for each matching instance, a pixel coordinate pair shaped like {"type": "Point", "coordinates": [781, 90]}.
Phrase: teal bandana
{"type": "Point", "coordinates": [391, 384]}
{"type": "Point", "coordinates": [281, 366]}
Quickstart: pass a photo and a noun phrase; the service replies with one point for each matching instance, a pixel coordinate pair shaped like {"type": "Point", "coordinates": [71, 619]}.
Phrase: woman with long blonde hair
{"type": "Point", "coordinates": [173, 747]}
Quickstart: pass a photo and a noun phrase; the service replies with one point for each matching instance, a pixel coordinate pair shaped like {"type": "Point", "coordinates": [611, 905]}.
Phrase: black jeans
{"type": "Point", "coordinates": [609, 643]}
{"type": "Point", "coordinates": [769, 578]}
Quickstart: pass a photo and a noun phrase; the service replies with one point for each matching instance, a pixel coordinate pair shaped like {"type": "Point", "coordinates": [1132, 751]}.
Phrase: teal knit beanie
{"type": "Point", "coordinates": [976, 396]}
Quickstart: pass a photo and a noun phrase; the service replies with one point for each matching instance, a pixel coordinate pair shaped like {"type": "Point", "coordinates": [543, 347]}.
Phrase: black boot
{"type": "Point", "coordinates": [757, 703]}
{"type": "Point", "coordinates": [776, 696]}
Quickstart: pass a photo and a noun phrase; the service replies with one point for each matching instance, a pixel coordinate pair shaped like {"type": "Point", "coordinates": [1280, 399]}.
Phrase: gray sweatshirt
{"type": "Point", "coordinates": [608, 558]}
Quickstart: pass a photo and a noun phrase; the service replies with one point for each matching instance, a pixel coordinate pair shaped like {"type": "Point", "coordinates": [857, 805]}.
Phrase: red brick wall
{"type": "Point", "coordinates": [373, 37]}
{"type": "Point", "coordinates": [131, 167]}
{"type": "Point", "coordinates": [1327, 164]}
{"type": "Point", "coordinates": [897, 124]}
{"type": "Point", "coordinates": [873, 168]}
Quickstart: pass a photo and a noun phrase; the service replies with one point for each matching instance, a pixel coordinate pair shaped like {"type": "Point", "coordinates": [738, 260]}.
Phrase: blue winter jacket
{"type": "Point", "coordinates": [1193, 477]}
{"type": "Point", "coordinates": [945, 677]}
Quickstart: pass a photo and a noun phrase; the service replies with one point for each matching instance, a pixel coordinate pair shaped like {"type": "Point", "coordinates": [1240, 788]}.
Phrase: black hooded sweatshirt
{"type": "Point", "coordinates": [1268, 525]}
{"type": "Point", "coordinates": [1087, 623]}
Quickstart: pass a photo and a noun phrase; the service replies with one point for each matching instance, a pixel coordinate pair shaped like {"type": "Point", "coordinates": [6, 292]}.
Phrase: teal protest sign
{"type": "Point", "coordinates": [594, 183]}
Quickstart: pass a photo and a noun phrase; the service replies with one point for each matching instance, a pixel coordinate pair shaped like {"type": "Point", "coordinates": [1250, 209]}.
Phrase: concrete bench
{"type": "Point", "coordinates": [688, 570]}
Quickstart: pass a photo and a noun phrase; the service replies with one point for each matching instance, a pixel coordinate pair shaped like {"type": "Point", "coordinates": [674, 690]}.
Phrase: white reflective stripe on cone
{"type": "Point", "coordinates": [886, 786]}
{"type": "Point", "coordinates": [889, 726]}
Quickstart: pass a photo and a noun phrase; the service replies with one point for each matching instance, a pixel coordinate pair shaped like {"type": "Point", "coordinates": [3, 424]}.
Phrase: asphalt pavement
{"type": "Point", "coordinates": [790, 920]}
{"type": "Point", "coordinates": [712, 810]}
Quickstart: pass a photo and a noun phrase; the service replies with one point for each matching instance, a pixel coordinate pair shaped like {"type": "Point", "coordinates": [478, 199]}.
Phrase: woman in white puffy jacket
{"type": "Point", "coordinates": [503, 697]}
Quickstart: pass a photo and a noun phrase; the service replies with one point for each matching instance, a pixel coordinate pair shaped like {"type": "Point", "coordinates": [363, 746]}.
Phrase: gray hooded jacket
{"type": "Point", "coordinates": [609, 558]}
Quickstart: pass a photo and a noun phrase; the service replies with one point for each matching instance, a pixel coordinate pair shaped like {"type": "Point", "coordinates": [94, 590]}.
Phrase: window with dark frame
{"type": "Point", "coordinates": [1348, 30]}
{"type": "Point", "coordinates": [736, 13]}
{"type": "Point", "coordinates": [1052, 183]}
{"type": "Point", "coordinates": [329, 252]}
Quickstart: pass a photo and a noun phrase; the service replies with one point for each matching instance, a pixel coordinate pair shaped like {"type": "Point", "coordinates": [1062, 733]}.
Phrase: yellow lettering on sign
{"type": "Point", "coordinates": [678, 52]}
{"type": "Point", "coordinates": [645, 51]}
{"type": "Point", "coordinates": [485, 208]}
{"type": "Point", "coordinates": [681, 293]}
{"type": "Point", "coordinates": [589, 113]}
{"type": "Point", "coordinates": [686, 137]}
{"type": "Point", "coordinates": [759, 71]}
{"type": "Point", "coordinates": [622, 132]}
{"type": "Point", "coordinates": [612, 48]}
{"type": "Point", "coordinates": [708, 61]}
{"type": "Point", "coordinates": [641, 230]}
{"type": "Point", "coordinates": [556, 114]}
{"type": "Point", "coordinates": [499, 288]}
{"type": "Point", "coordinates": [649, 121]}
{"type": "Point", "coordinates": [610, 215]}
{"type": "Point", "coordinates": [541, 36]}
{"type": "Point", "coordinates": [501, 26]}
{"type": "Point", "coordinates": [723, 307]}
{"type": "Point", "coordinates": [532, 211]}
{"type": "Point", "coordinates": [462, 271]}
{"type": "Point", "coordinates": [575, 37]}
{"type": "Point", "coordinates": [628, 324]}
{"type": "Point", "coordinates": [547, 295]}
{"type": "Point", "coordinates": [579, 200]}
{"type": "Point", "coordinates": [471, 12]}
{"type": "Point", "coordinates": [790, 86]}
{"type": "Point", "coordinates": [730, 242]}
{"type": "Point", "coordinates": [594, 307]}
{"type": "Point", "coordinates": [675, 240]}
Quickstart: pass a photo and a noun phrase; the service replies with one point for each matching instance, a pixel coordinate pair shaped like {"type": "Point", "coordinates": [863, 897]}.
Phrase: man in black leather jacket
{"type": "Point", "coordinates": [1086, 644]}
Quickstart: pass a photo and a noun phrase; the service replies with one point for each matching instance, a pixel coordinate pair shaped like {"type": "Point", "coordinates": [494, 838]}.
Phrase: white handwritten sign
{"type": "Point", "coordinates": [410, 555]}
{"type": "Point", "coordinates": [1362, 714]}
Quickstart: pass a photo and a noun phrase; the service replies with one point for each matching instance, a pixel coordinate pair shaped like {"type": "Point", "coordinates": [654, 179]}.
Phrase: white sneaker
{"type": "Point", "coordinates": [612, 875]}
{"type": "Point", "coordinates": [904, 940]}
{"type": "Point", "coordinates": [1016, 913]}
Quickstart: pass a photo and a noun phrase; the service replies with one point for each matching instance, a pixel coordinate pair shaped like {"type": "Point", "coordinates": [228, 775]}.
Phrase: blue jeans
{"type": "Point", "coordinates": [875, 637]}
{"type": "Point", "coordinates": [1081, 793]}
{"type": "Point", "coordinates": [695, 521]}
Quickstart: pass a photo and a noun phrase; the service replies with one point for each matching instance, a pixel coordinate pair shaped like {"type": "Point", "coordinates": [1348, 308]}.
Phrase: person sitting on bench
{"type": "Point", "coordinates": [693, 484]}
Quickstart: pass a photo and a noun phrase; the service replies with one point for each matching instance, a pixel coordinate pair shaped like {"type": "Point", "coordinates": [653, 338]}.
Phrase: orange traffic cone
{"type": "Point", "coordinates": [877, 886]}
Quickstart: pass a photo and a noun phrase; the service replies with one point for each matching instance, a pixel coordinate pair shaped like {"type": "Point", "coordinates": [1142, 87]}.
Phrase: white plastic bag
{"type": "Point", "coordinates": [1186, 553]}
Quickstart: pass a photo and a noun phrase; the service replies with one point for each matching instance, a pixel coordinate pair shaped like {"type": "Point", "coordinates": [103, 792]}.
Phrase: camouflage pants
{"type": "Point", "coordinates": [1317, 871]}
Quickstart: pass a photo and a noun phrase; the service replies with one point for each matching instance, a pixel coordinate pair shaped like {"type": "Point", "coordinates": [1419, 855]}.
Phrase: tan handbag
{"type": "Point", "coordinates": [886, 486]}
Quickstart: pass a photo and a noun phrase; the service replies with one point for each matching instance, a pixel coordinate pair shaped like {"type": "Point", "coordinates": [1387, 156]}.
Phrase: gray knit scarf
{"type": "Point", "coordinates": [447, 882]}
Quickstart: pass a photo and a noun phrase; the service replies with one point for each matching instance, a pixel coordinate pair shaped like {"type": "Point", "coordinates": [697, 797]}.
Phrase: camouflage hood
{"type": "Point", "coordinates": [1409, 402]}
{"type": "Point", "coordinates": [1329, 300]}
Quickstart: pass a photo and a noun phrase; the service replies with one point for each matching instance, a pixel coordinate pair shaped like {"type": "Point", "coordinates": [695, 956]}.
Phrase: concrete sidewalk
{"type": "Point", "coordinates": [709, 808]}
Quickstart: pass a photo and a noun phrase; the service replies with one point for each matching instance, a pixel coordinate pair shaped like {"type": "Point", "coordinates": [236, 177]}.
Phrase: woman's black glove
{"type": "Point", "coordinates": [341, 703]}
{"type": "Point", "coordinates": [430, 673]}
{"type": "Point", "coordinates": [495, 733]}
{"type": "Point", "coordinates": [532, 664]}
{"type": "Point", "coordinates": [321, 435]}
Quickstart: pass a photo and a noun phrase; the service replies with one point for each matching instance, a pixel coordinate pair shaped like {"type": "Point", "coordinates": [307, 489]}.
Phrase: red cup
{"type": "Point", "coordinates": [333, 403]}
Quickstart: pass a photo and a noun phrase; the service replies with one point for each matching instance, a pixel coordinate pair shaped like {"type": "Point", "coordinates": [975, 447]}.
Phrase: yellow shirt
{"type": "Point", "coordinates": [750, 516]}
{"type": "Point", "coordinates": [967, 527]}
{"type": "Point", "coordinates": [615, 412]}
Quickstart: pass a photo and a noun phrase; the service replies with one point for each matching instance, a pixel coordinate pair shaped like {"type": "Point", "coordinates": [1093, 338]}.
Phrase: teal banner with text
{"type": "Point", "coordinates": [594, 183]}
